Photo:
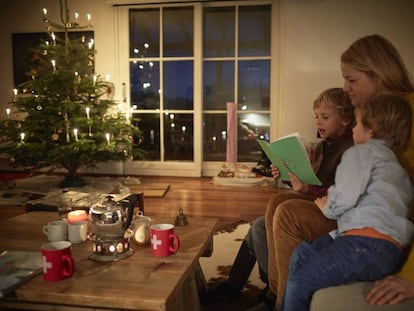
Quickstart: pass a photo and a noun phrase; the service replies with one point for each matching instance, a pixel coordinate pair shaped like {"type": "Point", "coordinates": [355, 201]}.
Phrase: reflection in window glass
{"type": "Point", "coordinates": [145, 84]}
{"type": "Point", "coordinates": [251, 126]}
{"type": "Point", "coordinates": [144, 33]}
{"type": "Point", "coordinates": [178, 137]}
{"type": "Point", "coordinates": [215, 137]}
{"type": "Point", "coordinates": [149, 124]}
{"type": "Point", "coordinates": [254, 30]}
{"type": "Point", "coordinates": [178, 31]}
{"type": "Point", "coordinates": [254, 85]}
{"type": "Point", "coordinates": [219, 32]}
{"type": "Point", "coordinates": [218, 85]}
{"type": "Point", "coordinates": [178, 85]}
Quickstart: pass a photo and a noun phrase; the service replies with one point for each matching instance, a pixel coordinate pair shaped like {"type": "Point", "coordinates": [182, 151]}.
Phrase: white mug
{"type": "Point", "coordinates": [56, 230]}
{"type": "Point", "coordinates": [77, 231]}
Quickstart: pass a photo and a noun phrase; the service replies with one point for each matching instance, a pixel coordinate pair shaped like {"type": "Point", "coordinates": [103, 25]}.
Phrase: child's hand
{"type": "Point", "coordinates": [320, 202]}
{"type": "Point", "coordinates": [297, 185]}
{"type": "Point", "coordinates": [275, 171]}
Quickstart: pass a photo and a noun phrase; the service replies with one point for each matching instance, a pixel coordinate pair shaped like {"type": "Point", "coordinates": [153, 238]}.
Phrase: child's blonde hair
{"type": "Point", "coordinates": [389, 117]}
{"type": "Point", "coordinates": [336, 98]}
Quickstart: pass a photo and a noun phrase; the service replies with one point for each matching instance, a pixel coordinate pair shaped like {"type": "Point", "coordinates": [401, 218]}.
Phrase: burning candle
{"type": "Point", "coordinates": [8, 112]}
{"type": "Point", "coordinates": [53, 65]}
{"type": "Point", "coordinates": [22, 135]}
{"type": "Point", "coordinates": [108, 137]}
{"type": "Point", "coordinates": [75, 132]}
{"type": "Point", "coordinates": [77, 215]}
{"type": "Point", "coordinates": [87, 109]}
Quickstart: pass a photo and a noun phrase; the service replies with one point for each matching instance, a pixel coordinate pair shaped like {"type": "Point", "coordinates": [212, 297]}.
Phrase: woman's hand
{"type": "Point", "coordinates": [390, 290]}
{"type": "Point", "coordinates": [320, 202]}
{"type": "Point", "coordinates": [297, 185]}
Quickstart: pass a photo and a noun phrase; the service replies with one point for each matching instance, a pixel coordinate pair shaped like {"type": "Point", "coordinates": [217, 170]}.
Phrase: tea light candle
{"type": "Point", "coordinates": [77, 215]}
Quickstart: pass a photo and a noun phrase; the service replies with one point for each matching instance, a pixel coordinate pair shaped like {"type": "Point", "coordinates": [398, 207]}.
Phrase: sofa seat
{"type": "Point", "coordinates": [352, 297]}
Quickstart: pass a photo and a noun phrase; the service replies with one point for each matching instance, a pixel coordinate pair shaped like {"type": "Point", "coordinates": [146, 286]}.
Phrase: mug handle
{"type": "Point", "coordinates": [69, 265]}
{"type": "Point", "coordinates": [46, 230]}
{"type": "Point", "coordinates": [175, 245]}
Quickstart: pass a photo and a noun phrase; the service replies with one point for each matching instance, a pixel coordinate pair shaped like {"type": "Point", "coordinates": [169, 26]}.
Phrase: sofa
{"type": "Point", "coordinates": [352, 297]}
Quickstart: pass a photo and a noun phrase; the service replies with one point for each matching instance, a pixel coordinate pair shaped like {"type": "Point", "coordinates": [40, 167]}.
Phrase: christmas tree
{"type": "Point", "coordinates": [65, 116]}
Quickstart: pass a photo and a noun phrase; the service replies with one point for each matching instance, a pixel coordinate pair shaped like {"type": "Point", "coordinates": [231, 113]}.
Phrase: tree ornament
{"type": "Point", "coordinates": [55, 137]}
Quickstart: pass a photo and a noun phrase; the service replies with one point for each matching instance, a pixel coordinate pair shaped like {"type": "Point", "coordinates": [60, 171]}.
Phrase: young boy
{"type": "Point", "coordinates": [370, 201]}
{"type": "Point", "coordinates": [334, 118]}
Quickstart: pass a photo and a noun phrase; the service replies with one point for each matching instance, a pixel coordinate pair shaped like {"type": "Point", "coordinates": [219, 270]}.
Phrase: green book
{"type": "Point", "coordinates": [289, 155]}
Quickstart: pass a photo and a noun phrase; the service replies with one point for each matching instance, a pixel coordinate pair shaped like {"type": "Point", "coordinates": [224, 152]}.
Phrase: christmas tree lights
{"type": "Point", "coordinates": [65, 116]}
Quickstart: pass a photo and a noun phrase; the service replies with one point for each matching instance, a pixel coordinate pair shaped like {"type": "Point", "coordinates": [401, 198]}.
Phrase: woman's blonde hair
{"type": "Point", "coordinates": [336, 98]}
{"type": "Point", "coordinates": [378, 57]}
{"type": "Point", "coordinates": [389, 117]}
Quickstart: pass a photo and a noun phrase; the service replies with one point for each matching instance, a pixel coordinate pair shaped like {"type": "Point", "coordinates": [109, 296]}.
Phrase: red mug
{"type": "Point", "coordinates": [164, 241]}
{"type": "Point", "coordinates": [57, 260]}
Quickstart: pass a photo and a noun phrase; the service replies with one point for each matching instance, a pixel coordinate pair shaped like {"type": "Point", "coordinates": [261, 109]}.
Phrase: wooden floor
{"type": "Point", "coordinates": [198, 197]}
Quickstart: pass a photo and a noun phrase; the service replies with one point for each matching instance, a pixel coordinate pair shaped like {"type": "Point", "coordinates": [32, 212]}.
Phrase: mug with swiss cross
{"type": "Point", "coordinates": [164, 241]}
{"type": "Point", "coordinates": [57, 260]}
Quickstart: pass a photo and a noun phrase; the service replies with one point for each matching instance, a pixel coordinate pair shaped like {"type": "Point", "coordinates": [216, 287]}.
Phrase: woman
{"type": "Point", "coordinates": [370, 66]}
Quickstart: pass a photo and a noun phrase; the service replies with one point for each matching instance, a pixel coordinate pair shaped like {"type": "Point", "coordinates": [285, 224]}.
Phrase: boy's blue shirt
{"type": "Point", "coordinates": [371, 190]}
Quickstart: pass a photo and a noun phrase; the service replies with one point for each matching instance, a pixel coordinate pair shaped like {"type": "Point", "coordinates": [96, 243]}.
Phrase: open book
{"type": "Point", "coordinates": [289, 155]}
{"type": "Point", "coordinates": [16, 267]}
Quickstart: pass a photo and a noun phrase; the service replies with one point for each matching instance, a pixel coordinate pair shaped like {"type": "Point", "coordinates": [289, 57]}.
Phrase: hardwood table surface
{"type": "Point", "coordinates": [137, 282]}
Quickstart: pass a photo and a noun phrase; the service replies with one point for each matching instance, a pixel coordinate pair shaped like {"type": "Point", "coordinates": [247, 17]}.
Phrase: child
{"type": "Point", "coordinates": [370, 201]}
{"type": "Point", "coordinates": [334, 116]}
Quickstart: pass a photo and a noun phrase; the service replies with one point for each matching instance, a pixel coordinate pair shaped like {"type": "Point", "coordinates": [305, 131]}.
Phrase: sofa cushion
{"type": "Point", "coordinates": [351, 297]}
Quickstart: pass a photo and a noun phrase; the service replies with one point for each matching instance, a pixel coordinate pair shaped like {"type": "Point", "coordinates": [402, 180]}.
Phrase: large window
{"type": "Point", "coordinates": [186, 62]}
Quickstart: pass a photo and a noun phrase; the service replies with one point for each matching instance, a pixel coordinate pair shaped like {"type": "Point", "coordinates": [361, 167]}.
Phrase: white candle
{"type": "Point", "coordinates": [76, 17]}
{"type": "Point", "coordinates": [77, 215]}
{"type": "Point", "coordinates": [87, 109]}
{"type": "Point", "coordinates": [108, 137]}
{"type": "Point", "coordinates": [8, 112]}
{"type": "Point", "coordinates": [44, 13]}
{"type": "Point", "coordinates": [22, 135]}
{"type": "Point", "coordinates": [75, 132]}
{"type": "Point", "coordinates": [94, 80]}
{"type": "Point", "coordinates": [15, 93]}
{"type": "Point", "coordinates": [54, 38]}
{"type": "Point", "coordinates": [53, 65]}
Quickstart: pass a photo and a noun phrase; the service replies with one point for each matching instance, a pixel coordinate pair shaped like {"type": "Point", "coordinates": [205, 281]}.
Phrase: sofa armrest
{"type": "Point", "coordinates": [351, 297]}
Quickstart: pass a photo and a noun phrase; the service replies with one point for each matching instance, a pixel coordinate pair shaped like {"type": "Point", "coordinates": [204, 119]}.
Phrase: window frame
{"type": "Point", "coordinates": [197, 167]}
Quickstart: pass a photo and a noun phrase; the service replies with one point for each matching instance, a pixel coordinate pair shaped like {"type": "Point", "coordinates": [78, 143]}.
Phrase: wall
{"type": "Point", "coordinates": [312, 35]}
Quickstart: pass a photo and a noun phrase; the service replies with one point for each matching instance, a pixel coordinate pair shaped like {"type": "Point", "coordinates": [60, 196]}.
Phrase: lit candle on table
{"type": "Point", "coordinates": [77, 215]}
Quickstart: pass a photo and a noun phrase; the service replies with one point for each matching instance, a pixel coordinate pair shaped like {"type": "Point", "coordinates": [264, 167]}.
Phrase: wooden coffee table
{"type": "Point", "coordinates": [138, 282]}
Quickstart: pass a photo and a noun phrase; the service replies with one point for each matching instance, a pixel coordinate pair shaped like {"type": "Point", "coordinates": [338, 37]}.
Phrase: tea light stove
{"type": "Point", "coordinates": [107, 246]}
